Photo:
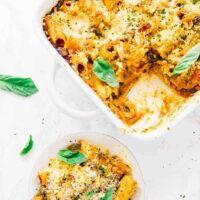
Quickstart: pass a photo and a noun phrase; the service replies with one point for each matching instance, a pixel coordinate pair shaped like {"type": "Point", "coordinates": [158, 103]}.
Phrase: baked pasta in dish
{"type": "Point", "coordinates": [112, 43]}
{"type": "Point", "coordinates": [85, 172]}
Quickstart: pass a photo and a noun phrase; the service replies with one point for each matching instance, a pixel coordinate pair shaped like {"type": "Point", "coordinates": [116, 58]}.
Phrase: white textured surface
{"type": "Point", "coordinates": [170, 165]}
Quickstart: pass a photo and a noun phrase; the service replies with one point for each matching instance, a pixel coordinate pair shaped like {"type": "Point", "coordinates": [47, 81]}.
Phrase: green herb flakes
{"type": "Point", "coordinates": [163, 12]}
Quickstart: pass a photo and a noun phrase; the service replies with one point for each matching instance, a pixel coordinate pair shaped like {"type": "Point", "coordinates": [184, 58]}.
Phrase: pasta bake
{"type": "Point", "coordinates": [111, 44]}
{"type": "Point", "coordinates": [84, 172]}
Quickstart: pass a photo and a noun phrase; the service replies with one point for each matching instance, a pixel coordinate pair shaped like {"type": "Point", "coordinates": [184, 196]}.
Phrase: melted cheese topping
{"type": "Point", "coordinates": [135, 37]}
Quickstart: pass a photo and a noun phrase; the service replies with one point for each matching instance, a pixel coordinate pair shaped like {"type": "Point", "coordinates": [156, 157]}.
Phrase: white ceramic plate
{"type": "Point", "coordinates": [102, 140]}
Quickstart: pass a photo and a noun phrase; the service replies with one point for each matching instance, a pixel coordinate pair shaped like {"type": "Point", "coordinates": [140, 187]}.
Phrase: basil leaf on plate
{"type": "Point", "coordinates": [104, 71]}
{"type": "Point", "coordinates": [187, 61]}
{"type": "Point", "coordinates": [89, 195]}
{"type": "Point", "coordinates": [108, 195]}
{"type": "Point", "coordinates": [28, 146]}
{"type": "Point", "coordinates": [21, 86]}
{"type": "Point", "coordinates": [65, 153]}
{"type": "Point", "coordinates": [70, 157]}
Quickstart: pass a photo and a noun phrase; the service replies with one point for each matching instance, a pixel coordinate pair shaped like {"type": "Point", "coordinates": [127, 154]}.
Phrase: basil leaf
{"type": "Point", "coordinates": [65, 153]}
{"type": "Point", "coordinates": [28, 146]}
{"type": "Point", "coordinates": [21, 86]}
{"type": "Point", "coordinates": [104, 71]}
{"type": "Point", "coordinates": [89, 195]}
{"type": "Point", "coordinates": [187, 61]}
{"type": "Point", "coordinates": [108, 195]}
{"type": "Point", "coordinates": [70, 157]}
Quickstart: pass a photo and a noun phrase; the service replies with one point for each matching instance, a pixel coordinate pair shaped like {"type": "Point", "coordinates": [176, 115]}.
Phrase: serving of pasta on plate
{"type": "Point", "coordinates": [83, 171]}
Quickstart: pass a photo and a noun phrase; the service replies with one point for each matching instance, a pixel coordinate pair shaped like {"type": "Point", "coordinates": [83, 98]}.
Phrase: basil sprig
{"type": "Point", "coordinates": [108, 195]}
{"type": "Point", "coordinates": [70, 157]}
{"type": "Point", "coordinates": [187, 61]}
{"type": "Point", "coordinates": [21, 86]}
{"type": "Point", "coordinates": [104, 71]}
{"type": "Point", "coordinates": [28, 146]}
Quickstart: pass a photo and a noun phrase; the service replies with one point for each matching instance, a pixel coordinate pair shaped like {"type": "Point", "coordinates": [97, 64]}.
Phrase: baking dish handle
{"type": "Point", "coordinates": [60, 103]}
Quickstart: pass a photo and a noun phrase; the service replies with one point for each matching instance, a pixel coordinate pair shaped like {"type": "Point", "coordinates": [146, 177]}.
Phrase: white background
{"type": "Point", "coordinates": [170, 165]}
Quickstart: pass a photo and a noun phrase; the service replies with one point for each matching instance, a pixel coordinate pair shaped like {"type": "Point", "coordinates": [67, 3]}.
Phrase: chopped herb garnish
{"type": "Point", "coordinates": [102, 169]}
{"type": "Point", "coordinates": [69, 24]}
{"type": "Point", "coordinates": [163, 12]}
{"type": "Point", "coordinates": [159, 36]}
{"type": "Point", "coordinates": [28, 146]}
{"type": "Point", "coordinates": [130, 18]}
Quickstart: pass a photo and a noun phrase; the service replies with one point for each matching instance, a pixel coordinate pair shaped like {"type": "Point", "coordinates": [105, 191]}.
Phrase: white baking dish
{"type": "Point", "coordinates": [146, 86]}
{"type": "Point", "coordinates": [101, 140]}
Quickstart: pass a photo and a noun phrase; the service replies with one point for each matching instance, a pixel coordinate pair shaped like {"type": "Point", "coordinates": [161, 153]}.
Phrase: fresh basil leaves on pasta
{"type": "Point", "coordinates": [70, 157]}
{"type": "Point", "coordinates": [28, 146]}
{"type": "Point", "coordinates": [108, 195]}
{"type": "Point", "coordinates": [187, 61]}
{"type": "Point", "coordinates": [21, 86]}
{"type": "Point", "coordinates": [104, 71]}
